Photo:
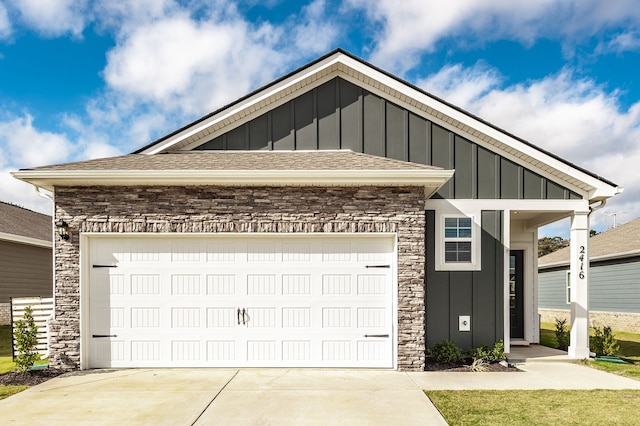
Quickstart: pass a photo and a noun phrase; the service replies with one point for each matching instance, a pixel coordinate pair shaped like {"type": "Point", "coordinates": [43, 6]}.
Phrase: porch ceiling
{"type": "Point", "coordinates": [537, 218]}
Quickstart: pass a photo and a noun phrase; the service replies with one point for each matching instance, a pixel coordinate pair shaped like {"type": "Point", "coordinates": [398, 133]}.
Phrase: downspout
{"type": "Point", "coordinates": [598, 207]}
{"type": "Point", "coordinates": [49, 197]}
{"type": "Point", "coordinates": [37, 189]}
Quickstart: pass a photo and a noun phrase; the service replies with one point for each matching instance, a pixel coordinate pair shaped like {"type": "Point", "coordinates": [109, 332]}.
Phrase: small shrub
{"type": "Point", "coordinates": [486, 354]}
{"type": "Point", "coordinates": [603, 342]}
{"type": "Point", "coordinates": [483, 353]}
{"type": "Point", "coordinates": [498, 351]}
{"type": "Point", "coordinates": [562, 334]}
{"type": "Point", "coordinates": [446, 351]}
{"type": "Point", "coordinates": [26, 335]}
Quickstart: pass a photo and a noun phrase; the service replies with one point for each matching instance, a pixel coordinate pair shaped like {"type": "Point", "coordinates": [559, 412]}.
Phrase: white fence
{"type": "Point", "coordinates": [42, 308]}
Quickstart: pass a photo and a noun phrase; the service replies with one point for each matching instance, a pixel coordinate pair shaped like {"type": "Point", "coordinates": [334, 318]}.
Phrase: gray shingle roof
{"type": "Point", "coordinates": [616, 242]}
{"type": "Point", "coordinates": [16, 220]}
{"type": "Point", "coordinates": [242, 160]}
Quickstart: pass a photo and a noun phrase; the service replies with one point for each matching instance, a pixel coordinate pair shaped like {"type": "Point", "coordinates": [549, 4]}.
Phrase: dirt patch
{"type": "Point", "coordinates": [29, 378]}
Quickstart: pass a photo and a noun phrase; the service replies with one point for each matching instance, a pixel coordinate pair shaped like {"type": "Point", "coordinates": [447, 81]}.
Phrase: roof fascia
{"type": "Point", "coordinates": [431, 180]}
{"type": "Point", "coordinates": [25, 240]}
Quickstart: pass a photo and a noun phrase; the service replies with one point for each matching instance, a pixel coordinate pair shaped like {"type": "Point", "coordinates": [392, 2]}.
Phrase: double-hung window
{"type": "Point", "coordinates": [457, 243]}
{"type": "Point", "coordinates": [458, 233]}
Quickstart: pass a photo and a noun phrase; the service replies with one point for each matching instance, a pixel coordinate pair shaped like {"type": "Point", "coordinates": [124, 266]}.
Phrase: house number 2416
{"type": "Point", "coordinates": [581, 273]}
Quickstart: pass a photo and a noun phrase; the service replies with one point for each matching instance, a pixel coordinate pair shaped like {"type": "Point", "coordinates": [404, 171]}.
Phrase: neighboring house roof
{"type": "Point", "coordinates": [620, 242]}
{"type": "Point", "coordinates": [21, 225]}
{"type": "Point", "coordinates": [255, 168]}
{"type": "Point", "coordinates": [342, 64]}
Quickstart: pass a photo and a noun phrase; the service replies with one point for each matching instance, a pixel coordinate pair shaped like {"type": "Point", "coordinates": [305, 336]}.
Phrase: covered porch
{"type": "Point", "coordinates": [517, 276]}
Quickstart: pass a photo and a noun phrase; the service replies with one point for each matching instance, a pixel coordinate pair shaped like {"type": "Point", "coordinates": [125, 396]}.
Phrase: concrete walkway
{"type": "Point", "coordinates": [542, 368]}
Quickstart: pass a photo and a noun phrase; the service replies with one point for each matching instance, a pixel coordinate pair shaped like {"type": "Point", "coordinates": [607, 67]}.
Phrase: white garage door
{"type": "Point", "coordinates": [268, 301]}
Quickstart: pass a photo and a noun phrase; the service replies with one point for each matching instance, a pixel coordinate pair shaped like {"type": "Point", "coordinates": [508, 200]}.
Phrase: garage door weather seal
{"type": "Point", "coordinates": [214, 397]}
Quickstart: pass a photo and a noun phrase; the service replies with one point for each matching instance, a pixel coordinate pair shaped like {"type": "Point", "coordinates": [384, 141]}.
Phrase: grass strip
{"type": "Point", "coordinates": [538, 407]}
{"type": "Point", "coordinates": [6, 391]}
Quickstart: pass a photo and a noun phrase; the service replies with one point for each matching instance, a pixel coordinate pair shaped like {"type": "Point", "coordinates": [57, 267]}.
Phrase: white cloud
{"type": "Point", "coordinates": [175, 65]}
{"type": "Point", "coordinates": [462, 86]}
{"type": "Point", "coordinates": [5, 24]}
{"type": "Point", "coordinates": [21, 193]}
{"type": "Point", "coordinates": [24, 146]}
{"type": "Point", "coordinates": [624, 42]}
{"type": "Point", "coordinates": [124, 16]}
{"type": "Point", "coordinates": [315, 34]}
{"type": "Point", "coordinates": [181, 64]}
{"type": "Point", "coordinates": [409, 27]}
{"type": "Point", "coordinates": [28, 147]}
{"type": "Point", "coordinates": [54, 17]}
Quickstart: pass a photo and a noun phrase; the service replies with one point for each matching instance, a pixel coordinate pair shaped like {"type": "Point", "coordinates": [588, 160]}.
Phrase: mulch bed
{"type": "Point", "coordinates": [494, 367]}
{"type": "Point", "coordinates": [29, 378]}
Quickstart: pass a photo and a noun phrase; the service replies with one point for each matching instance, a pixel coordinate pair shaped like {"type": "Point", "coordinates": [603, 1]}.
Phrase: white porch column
{"type": "Point", "coordinates": [579, 343]}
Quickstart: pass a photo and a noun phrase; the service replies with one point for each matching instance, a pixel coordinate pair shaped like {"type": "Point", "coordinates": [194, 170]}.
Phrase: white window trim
{"type": "Point", "coordinates": [567, 287]}
{"type": "Point", "coordinates": [476, 231]}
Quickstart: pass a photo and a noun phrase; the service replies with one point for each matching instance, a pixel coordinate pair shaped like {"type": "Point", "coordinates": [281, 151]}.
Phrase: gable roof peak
{"type": "Point", "coordinates": [340, 63]}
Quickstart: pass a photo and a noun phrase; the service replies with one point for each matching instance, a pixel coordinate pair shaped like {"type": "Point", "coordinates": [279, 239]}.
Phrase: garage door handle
{"type": "Point", "coordinates": [104, 335]}
{"type": "Point", "coordinates": [105, 266]}
{"type": "Point", "coordinates": [376, 335]}
{"type": "Point", "coordinates": [378, 266]}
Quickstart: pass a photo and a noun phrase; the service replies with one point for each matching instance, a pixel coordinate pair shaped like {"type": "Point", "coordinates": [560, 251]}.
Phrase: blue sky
{"type": "Point", "coordinates": [82, 79]}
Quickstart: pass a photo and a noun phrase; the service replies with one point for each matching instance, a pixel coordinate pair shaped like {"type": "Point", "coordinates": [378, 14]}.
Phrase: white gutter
{"type": "Point", "coordinates": [432, 180]}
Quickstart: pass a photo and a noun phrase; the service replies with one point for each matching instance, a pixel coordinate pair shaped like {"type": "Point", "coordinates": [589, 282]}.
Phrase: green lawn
{"type": "Point", "coordinates": [551, 407]}
{"type": "Point", "coordinates": [629, 351]}
{"type": "Point", "coordinates": [541, 407]}
{"type": "Point", "coordinates": [6, 363]}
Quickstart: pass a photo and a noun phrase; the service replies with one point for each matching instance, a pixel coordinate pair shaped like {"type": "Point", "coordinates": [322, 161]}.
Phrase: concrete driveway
{"type": "Point", "coordinates": [223, 396]}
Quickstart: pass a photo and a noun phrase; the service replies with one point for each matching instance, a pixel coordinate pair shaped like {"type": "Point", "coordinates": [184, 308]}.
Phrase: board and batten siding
{"type": "Point", "coordinates": [342, 115]}
{"type": "Point", "coordinates": [475, 293]}
{"type": "Point", "coordinates": [25, 271]}
{"type": "Point", "coordinates": [614, 286]}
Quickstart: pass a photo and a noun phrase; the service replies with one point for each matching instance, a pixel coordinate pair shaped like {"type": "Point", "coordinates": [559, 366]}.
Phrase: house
{"type": "Point", "coordinates": [26, 258]}
{"type": "Point", "coordinates": [337, 217]}
{"type": "Point", "coordinates": [614, 286]}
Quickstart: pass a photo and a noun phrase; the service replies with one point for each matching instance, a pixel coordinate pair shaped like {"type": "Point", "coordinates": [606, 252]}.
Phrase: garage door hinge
{"type": "Point", "coordinates": [105, 266]}
{"type": "Point", "coordinates": [378, 266]}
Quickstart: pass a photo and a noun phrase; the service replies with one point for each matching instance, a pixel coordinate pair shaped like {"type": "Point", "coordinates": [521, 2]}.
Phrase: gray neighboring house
{"type": "Point", "coordinates": [614, 287]}
{"type": "Point", "coordinates": [337, 217]}
{"type": "Point", "coordinates": [25, 256]}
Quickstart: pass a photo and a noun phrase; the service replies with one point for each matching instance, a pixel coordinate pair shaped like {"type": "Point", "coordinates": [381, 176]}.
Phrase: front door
{"type": "Point", "coordinates": [516, 293]}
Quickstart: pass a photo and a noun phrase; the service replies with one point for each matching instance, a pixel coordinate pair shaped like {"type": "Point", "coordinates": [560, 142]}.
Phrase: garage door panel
{"type": "Point", "coordinates": [307, 302]}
